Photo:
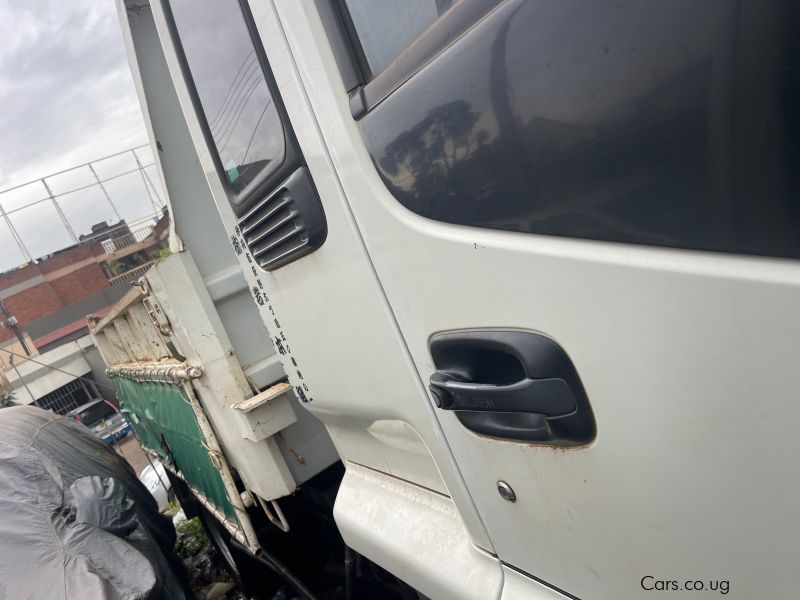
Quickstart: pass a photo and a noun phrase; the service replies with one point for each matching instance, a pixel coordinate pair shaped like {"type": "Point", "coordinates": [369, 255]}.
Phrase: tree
{"type": "Point", "coordinates": [7, 399]}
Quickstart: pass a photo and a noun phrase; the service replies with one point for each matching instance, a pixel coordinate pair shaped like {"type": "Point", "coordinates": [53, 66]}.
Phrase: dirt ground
{"type": "Point", "coordinates": [130, 449]}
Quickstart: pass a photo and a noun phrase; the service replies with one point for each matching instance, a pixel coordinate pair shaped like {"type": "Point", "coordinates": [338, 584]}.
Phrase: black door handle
{"type": "Point", "coordinates": [512, 385]}
{"type": "Point", "coordinates": [550, 396]}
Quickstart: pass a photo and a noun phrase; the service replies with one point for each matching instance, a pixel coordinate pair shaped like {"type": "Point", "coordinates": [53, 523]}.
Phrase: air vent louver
{"type": "Point", "coordinates": [286, 225]}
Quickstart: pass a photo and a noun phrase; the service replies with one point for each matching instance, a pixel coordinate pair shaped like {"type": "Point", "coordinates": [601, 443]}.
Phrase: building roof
{"type": "Point", "coordinates": [66, 330]}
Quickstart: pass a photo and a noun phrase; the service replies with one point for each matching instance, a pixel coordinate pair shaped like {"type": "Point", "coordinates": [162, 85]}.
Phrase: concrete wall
{"type": "Point", "coordinates": [98, 366]}
{"type": "Point", "coordinates": [55, 368]}
{"type": "Point", "coordinates": [31, 380]}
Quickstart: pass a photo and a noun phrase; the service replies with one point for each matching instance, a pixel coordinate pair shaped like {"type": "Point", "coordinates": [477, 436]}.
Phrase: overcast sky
{"type": "Point", "coordinates": [66, 97]}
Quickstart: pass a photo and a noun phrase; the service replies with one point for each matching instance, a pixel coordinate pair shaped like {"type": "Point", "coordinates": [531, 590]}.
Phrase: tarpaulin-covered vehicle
{"type": "Point", "coordinates": [74, 520]}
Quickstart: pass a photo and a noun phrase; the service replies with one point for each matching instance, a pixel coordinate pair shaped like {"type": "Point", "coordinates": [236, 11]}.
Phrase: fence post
{"type": "Point", "coordinates": [146, 180]}
{"type": "Point", "coordinates": [26, 255]}
{"type": "Point", "coordinates": [60, 212]}
{"type": "Point", "coordinates": [105, 192]}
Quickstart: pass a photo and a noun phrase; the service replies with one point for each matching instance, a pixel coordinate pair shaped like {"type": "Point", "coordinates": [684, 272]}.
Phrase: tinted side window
{"type": "Point", "coordinates": [92, 415]}
{"type": "Point", "coordinates": [231, 86]}
{"type": "Point", "coordinates": [385, 28]}
{"type": "Point", "coordinates": [664, 123]}
{"type": "Point", "coordinates": [269, 186]}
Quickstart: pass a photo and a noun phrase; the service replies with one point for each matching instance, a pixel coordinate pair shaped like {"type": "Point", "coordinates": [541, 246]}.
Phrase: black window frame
{"type": "Point", "coordinates": [264, 181]}
{"type": "Point", "coordinates": [367, 89]}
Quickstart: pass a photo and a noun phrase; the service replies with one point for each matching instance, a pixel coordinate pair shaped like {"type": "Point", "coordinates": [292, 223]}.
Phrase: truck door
{"type": "Point", "coordinates": [280, 201]}
{"type": "Point", "coordinates": [585, 218]}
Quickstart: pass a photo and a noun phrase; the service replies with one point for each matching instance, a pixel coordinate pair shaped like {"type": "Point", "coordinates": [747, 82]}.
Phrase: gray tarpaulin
{"type": "Point", "coordinates": [75, 523]}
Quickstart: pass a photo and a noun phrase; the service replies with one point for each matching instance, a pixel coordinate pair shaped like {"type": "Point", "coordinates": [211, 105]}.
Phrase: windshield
{"type": "Point", "coordinates": [95, 413]}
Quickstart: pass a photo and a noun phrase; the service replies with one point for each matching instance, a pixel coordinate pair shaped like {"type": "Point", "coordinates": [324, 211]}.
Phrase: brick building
{"type": "Point", "coordinates": [45, 296]}
{"type": "Point", "coordinates": [49, 300]}
{"type": "Point", "coordinates": [37, 290]}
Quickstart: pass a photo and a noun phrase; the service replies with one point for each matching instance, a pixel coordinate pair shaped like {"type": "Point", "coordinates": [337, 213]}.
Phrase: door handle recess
{"type": "Point", "coordinates": [513, 385]}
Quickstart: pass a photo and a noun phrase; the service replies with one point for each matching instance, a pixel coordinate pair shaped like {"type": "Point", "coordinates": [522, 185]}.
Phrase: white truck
{"type": "Point", "coordinates": [528, 269]}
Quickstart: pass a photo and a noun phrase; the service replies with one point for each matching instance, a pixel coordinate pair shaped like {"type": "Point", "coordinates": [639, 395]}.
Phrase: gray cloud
{"type": "Point", "coordinates": [66, 97]}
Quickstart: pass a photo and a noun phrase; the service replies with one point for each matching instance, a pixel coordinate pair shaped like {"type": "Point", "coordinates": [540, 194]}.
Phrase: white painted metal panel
{"type": "Point", "coordinates": [517, 586]}
{"type": "Point", "coordinates": [197, 228]}
{"type": "Point", "coordinates": [688, 359]}
{"type": "Point", "coordinates": [201, 338]}
{"type": "Point", "coordinates": [414, 533]}
{"type": "Point", "coordinates": [330, 307]}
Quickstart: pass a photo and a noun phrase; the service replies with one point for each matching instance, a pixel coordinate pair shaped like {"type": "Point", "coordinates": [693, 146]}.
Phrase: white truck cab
{"type": "Point", "coordinates": [532, 264]}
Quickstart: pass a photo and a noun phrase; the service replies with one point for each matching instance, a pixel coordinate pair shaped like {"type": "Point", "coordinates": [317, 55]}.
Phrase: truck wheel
{"type": "Point", "coordinates": [220, 537]}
